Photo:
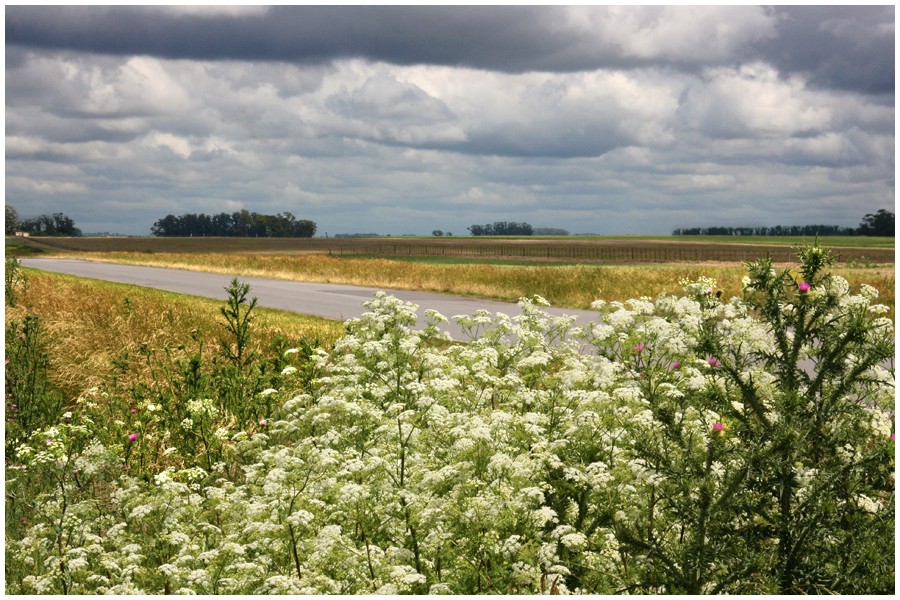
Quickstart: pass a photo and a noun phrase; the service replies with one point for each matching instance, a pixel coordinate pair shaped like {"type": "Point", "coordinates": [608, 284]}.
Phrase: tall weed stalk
{"type": "Point", "coordinates": [15, 281]}
{"type": "Point", "coordinates": [31, 402]}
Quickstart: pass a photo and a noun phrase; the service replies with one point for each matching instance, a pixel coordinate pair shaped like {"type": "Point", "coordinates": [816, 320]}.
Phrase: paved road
{"type": "Point", "coordinates": [332, 301]}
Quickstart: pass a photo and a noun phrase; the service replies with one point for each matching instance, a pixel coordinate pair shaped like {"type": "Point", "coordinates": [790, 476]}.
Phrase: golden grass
{"type": "Point", "coordinates": [88, 324]}
{"type": "Point", "coordinates": [573, 286]}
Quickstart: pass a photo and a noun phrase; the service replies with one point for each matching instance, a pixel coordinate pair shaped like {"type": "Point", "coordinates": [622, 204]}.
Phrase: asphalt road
{"type": "Point", "coordinates": [332, 301]}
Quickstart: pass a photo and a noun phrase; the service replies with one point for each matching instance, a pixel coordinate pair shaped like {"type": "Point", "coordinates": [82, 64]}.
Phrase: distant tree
{"type": "Point", "coordinates": [437, 233]}
{"type": "Point", "coordinates": [12, 220]}
{"type": "Point", "coordinates": [777, 230]}
{"type": "Point", "coordinates": [549, 231]}
{"type": "Point", "coordinates": [879, 224]}
{"type": "Point", "coordinates": [502, 228]}
{"type": "Point", "coordinates": [239, 224]}
{"type": "Point", "coordinates": [64, 225]}
{"type": "Point", "coordinates": [165, 227]}
{"type": "Point", "coordinates": [57, 224]}
{"type": "Point", "coordinates": [223, 225]}
{"type": "Point", "coordinates": [304, 228]}
{"type": "Point", "coordinates": [243, 223]}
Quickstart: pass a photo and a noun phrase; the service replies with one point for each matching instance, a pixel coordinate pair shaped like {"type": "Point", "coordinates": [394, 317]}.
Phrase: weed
{"type": "Point", "coordinates": [31, 403]}
{"type": "Point", "coordinates": [15, 280]}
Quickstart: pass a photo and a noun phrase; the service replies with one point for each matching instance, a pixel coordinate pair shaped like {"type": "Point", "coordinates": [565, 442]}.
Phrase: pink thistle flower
{"type": "Point", "coordinates": [639, 347]}
{"type": "Point", "coordinates": [676, 365]}
{"type": "Point", "coordinates": [718, 427]}
{"type": "Point", "coordinates": [713, 362]}
{"type": "Point", "coordinates": [803, 286]}
{"type": "Point", "coordinates": [132, 437]}
{"type": "Point", "coordinates": [49, 441]}
{"type": "Point", "coordinates": [263, 422]}
{"type": "Point", "coordinates": [133, 410]}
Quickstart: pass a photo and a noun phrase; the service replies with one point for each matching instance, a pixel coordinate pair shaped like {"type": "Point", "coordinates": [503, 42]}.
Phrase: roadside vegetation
{"type": "Point", "coordinates": [95, 329]}
{"type": "Point", "coordinates": [158, 444]}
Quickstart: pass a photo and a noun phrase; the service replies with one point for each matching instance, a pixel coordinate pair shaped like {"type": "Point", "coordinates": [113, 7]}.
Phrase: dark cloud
{"type": "Point", "coordinates": [401, 35]}
{"type": "Point", "coordinates": [842, 47]}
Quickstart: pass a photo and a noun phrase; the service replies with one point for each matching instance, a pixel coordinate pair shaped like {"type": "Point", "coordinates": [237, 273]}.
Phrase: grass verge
{"type": "Point", "coordinates": [95, 328]}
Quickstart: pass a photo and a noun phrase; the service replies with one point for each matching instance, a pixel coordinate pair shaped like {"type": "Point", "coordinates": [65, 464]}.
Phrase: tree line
{"type": "Point", "coordinates": [238, 224]}
{"type": "Point", "coordinates": [502, 228]}
{"type": "Point", "coordinates": [777, 230]}
{"type": "Point", "coordinates": [57, 224]}
{"type": "Point", "coordinates": [878, 224]}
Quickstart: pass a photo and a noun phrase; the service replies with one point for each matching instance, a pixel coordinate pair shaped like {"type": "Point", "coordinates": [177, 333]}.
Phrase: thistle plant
{"type": "Point", "coordinates": [235, 371]}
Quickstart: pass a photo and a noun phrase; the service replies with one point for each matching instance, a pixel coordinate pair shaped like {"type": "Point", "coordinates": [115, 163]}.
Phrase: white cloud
{"type": "Point", "coordinates": [754, 102]}
{"type": "Point", "coordinates": [208, 10]}
{"type": "Point", "coordinates": [675, 33]}
{"type": "Point", "coordinates": [44, 187]}
{"type": "Point", "coordinates": [547, 113]}
{"type": "Point", "coordinates": [176, 144]}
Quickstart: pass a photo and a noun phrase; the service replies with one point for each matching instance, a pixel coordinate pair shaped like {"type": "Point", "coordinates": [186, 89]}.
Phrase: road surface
{"type": "Point", "coordinates": [332, 301]}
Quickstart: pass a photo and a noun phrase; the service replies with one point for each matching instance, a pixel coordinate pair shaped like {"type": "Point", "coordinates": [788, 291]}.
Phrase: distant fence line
{"type": "Point", "coordinates": [615, 254]}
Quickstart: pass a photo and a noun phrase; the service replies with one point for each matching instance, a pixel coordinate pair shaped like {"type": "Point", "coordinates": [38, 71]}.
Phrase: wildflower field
{"type": "Point", "coordinates": [692, 442]}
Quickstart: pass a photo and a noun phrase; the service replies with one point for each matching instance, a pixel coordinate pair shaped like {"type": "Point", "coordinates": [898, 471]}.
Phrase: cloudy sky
{"type": "Point", "coordinates": [403, 120]}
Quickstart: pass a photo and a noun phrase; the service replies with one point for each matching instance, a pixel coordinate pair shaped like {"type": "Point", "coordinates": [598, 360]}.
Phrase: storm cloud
{"type": "Point", "coordinates": [407, 119]}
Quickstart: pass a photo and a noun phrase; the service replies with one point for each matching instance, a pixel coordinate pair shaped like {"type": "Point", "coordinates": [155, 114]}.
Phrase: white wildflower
{"type": "Point", "coordinates": [868, 504]}
{"type": "Point", "coordinates": [544, 515]}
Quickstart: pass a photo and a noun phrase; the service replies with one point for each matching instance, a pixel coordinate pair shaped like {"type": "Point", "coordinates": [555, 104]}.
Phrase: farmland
{"type": "Point", "coordinates": [600, 250]}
